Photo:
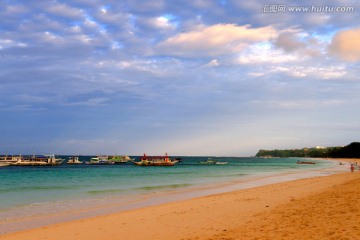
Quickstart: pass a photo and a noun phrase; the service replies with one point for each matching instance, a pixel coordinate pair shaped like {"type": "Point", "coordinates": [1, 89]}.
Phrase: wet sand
{"type": "Point", "coordinates": [314, 208]}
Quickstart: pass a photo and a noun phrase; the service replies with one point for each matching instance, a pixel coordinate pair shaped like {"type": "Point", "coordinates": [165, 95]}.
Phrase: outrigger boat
{"type": "Point", "coordinates": [100, 160]}
{"type": "Point", "coordinates": [74, 160]}
{"type": "Point", "coordinates": [35, 160]}
{"type": "Point", "coordinates": [155, 161]}
{"type": "Point", "coordinates": [211, 162]}
{"type": "Point", "coordinates": [120, 159]}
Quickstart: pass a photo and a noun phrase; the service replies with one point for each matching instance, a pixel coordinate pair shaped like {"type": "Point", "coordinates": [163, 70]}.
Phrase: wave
{"type": "Point", "coordinates": [163, 186]}
{"type": "Point", "coordinates": [97, 192]}
{"type": "Point", "coordinates": [39, 188]}
{"type": "Point", "coordinates": [147, 188]}
{"type": "Point", "coordinates": [238, 174]}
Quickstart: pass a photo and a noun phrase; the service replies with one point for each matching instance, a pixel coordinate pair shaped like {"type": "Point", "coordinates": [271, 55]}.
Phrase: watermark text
{"type": "Point", "coordinates": [281, 8]}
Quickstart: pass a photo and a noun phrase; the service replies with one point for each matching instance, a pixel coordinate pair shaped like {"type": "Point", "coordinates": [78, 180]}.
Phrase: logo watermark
{"type": "Point", "coordinates": [281, 8]}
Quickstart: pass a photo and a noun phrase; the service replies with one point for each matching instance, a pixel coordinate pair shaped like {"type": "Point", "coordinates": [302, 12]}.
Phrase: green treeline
{"type": "Point", "coordinates": [350, 151]}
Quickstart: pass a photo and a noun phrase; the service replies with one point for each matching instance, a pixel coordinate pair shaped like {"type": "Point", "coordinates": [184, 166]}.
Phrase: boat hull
{"type": "Point", "coordinates": [157, 161]}
{"type": "Point", "coordinates": [100, 163]}
{"type": "Point", "coordinates": [46, 160]}
{"type": "Point", "coordinates": [156, 164]}
{"type": "Point", "coordinates": [34, 164]}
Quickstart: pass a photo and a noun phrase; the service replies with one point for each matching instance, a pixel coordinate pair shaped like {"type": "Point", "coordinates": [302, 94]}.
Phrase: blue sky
{"type": "Point", "coordinates": [193, 77]}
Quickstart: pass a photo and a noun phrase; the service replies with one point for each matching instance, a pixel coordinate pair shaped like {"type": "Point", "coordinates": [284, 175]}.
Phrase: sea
{"type": "Point", "coordinates": [37, 196]}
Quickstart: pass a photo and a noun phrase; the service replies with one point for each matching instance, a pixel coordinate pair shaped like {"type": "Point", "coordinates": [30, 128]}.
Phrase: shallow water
{"type": "Point", "coordinates": [65, 192]}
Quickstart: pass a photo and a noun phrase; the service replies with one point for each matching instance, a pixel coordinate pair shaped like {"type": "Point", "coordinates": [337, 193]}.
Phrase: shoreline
{"type": "Point", "coordinates": [135, 215]}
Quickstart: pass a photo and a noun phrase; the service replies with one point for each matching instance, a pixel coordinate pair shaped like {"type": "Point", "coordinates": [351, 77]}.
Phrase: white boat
{"type": "Point", "coordinates": [221, 163]}
{"type": "Point", "coordinates": [211, 162]}
{"type": "Point", "coordinates": [46, 160]}
{"type": "Point", "coordinates": [120, 159]}
{"type": "Point", "coordinates": [100, 160]}
{"type": "Point", "coordinates": [74, 160]}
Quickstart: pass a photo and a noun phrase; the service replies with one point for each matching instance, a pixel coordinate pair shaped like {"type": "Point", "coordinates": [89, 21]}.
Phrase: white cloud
{"type": "Point", "coordinates": [215, 40]}
{"type": "Point", "coordinates": [8, 43]}
{"type": "Point", "coordinates": [52, 38]}
{"type": "Point", "coordinates": [299, 104]}
{"type": "Point", "coordinates": [264, 53]}
{"type": "Point", "coordinates": [331, 72]}
{"type": "Point", "coordinates": [256, 74]}
{"type": "Point", "coordinates": [162, 22]}
{"type": "Point", "coordinates": [212, 63]}
{"type": "Point", "coordinates": [83, 38]}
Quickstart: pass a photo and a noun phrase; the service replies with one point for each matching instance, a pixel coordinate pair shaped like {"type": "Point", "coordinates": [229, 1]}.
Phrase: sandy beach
{"type": "Point", "coordinates": [315, 208]}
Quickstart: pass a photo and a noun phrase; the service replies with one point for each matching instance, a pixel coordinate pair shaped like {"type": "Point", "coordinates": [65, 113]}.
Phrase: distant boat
{"type": "Point", "coordinates": [304, 162]}
{"type": "Point", "coordinates": [100, 160]}
{"type": "Point", "coordinates": [220, 163]}
{"type": "Point", "coordinates": [74, 160]}
{"type": "Point", "coordinates": [120, 159]}
{"type": "Point", "coordinates": [155, 161]}
{"type": "Point", "coordinates": [176, 160]}
{"type": "Point", "coordinates": [212, 162]}
{"type": "Point", "coordinates": [35, 160]}
{"type": "Point", "coordinates": [208, 162]}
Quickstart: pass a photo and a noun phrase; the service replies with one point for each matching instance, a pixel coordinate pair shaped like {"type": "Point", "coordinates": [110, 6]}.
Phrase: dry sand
{"type": "Point", "coordinates": [315, 208]}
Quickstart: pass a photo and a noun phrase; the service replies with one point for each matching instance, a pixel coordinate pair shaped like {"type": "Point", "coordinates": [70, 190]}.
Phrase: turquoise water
{"type": "Point", "coordinates": [38, 196]}
{"type": "Point", "coordinates": [21, 186]}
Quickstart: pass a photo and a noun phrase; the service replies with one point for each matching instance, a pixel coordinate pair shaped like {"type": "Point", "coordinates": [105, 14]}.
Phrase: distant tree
{"type": "Point", "coordinates": [350, 151]}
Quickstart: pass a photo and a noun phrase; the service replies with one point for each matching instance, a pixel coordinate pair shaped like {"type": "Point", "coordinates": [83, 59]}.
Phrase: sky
{"type": "Point", "coordinates": [199, 77]}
